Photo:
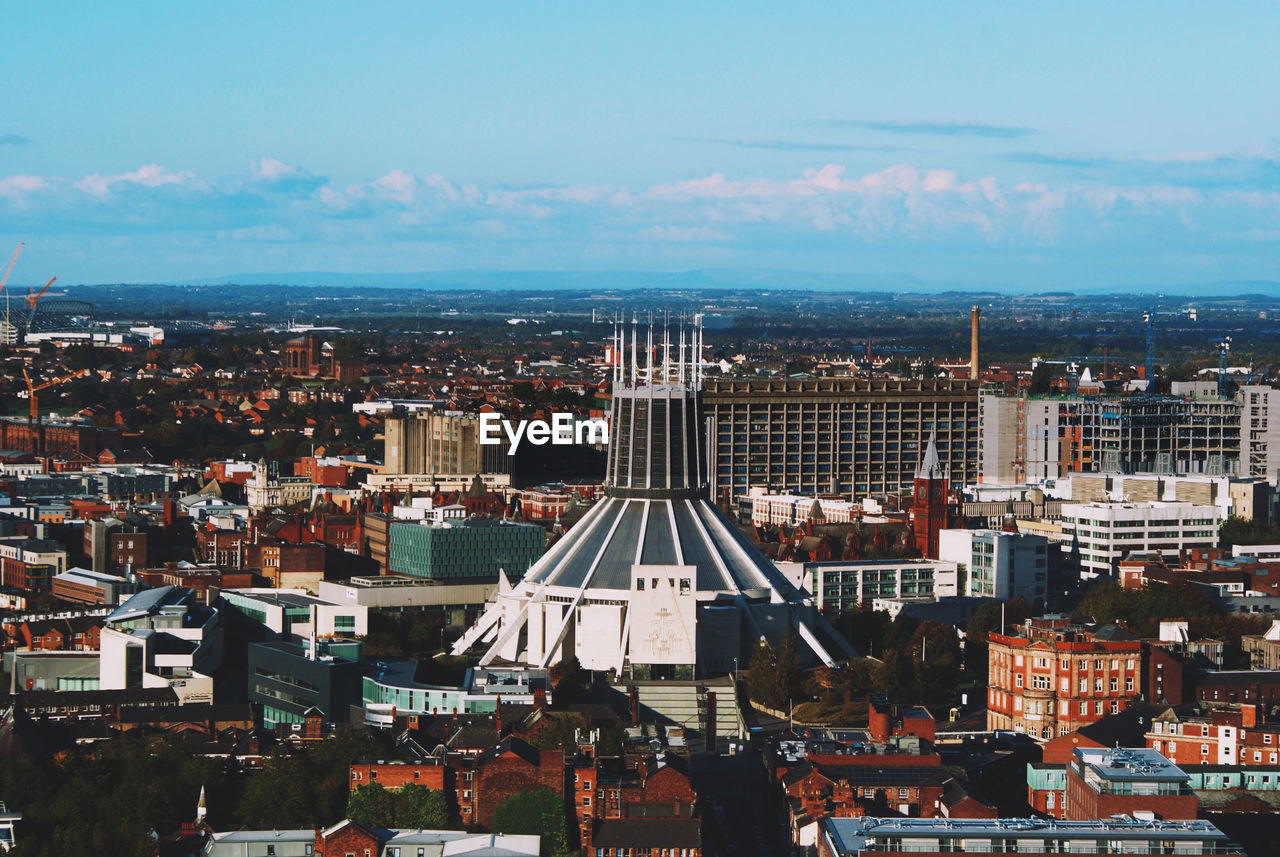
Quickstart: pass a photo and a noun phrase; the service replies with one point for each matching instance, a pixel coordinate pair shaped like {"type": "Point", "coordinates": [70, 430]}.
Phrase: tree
{"type": "Point", "coordinates": [985, 620]}
{"type": "Point", "coordinates": [411, 806]}
{"type": "Point", "coordinates": [772, 674]}
{"type": "Point", "coordinates": [539, 812]}
{"type": "Point", "coordinates": [372, 805]}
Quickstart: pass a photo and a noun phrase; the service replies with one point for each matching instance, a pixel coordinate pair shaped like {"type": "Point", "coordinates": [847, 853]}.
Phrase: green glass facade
{"type": "Point", "coordinates": [469, 550]}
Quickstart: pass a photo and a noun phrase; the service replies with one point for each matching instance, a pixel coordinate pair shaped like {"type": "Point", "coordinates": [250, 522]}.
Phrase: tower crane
{"type": "Point", "coordinates": [33, 388]}
{"type": "Point", "coordinates": [9, 270]}
{"type": "Point", "coordinates": [33, 296]}
{"type": "Point", "coordinates": [1149, 319]}
{"type": "Point", "coordinates": [1223, 345]}
{"type": "Point", "coordinates": [1072, 363]}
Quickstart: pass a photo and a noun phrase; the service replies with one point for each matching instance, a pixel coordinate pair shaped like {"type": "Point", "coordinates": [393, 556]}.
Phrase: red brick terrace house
{"type": "Point", "coordinates": [429, 773]}
{"type": "Point", "coordinates": [345, 839]}
{"type": "Point", "coordinates": [509, 768]}
{"type": "Point", "coordinates": [611, 788]}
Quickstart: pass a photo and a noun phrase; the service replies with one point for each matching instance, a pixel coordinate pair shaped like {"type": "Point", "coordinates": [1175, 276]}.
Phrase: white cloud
{"type": "Point", "coordinates": [16, 187]}
{"type": "Point", "coordinates": [151, 175]}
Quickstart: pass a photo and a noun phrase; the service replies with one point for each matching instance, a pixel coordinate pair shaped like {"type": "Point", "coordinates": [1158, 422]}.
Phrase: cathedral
{"type": "Point", "coordinates": [654, 582]}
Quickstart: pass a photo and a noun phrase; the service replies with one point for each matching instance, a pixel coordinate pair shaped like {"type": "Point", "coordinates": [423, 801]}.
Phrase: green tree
{"type": "Point", "coordinates": [372, 805]}
{"type": "Point", "coordinates": [539, 812]}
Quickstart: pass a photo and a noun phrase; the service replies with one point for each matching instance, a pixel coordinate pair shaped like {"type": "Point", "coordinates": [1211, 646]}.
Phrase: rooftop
{"type": "Point", "coordinates": [849, 835]}
{"type": "Point", "coordinates": [1128, 763]}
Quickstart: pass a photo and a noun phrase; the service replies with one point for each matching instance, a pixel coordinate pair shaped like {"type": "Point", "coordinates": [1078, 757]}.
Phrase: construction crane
{"type": "Point", "coordinates": [33, 295]}
{"type": "Point", "coordinates": [9, 270]}
{"type": "Point", "coordinates": [1223, 345]}
{"type": "Point", "coordinates": [1073, 367]}
{"type": "Point", "coordinates": [33, 388]}
{"type": "Point", "coordinates": [1149, 319]}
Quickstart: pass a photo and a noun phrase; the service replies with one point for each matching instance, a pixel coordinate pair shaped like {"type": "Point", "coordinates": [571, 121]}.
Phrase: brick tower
{"type": "Point", "coordinates": [929, 510]}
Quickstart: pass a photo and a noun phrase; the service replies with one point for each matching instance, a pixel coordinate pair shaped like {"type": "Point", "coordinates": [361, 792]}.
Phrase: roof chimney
{"type": "Point", "coordinates": [973, 343]}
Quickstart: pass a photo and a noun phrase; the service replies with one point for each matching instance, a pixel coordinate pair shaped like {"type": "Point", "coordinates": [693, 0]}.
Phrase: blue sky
{"type": "Point", "coordinates": [1015, 144]}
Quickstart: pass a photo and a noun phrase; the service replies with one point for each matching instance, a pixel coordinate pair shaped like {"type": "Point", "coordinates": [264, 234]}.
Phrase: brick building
{"type": "Point", "coordinates": [1198, 734]}
{"type": "Point", "coordinates": [610, 788]}
{"type": "Point", "coordinates": [66, 634]}
{"type": "Point", "coordinates": [429, 773]}
{"type": "Point", "coordinates": [513, 766]}
{"type": "Point", "coordinates": [1102, 783]}
{"type": "Point", "coordinates": [1054, 677]}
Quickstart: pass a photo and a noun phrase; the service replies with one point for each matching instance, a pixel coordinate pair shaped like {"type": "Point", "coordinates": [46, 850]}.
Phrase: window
{"type": "Point", "coordinates": [1017, 680]}
{"type": "Point", "coordinates": [1097, 707]}
{"type": "Point", "coordinates": [1204, 749]}
{"type": "Point", "coordinates": [1084, 685]}
{"type": "Point", "coordinates": [902, 794]}
{"type": "Point", "coordinates": [271, 851]}
{"type": "Point", "coordinates": [1084, 708]}
{"type": "Point", "coordinates": [1115, 684]}
{"type": "Point", "coordinates": [1128, 684]}
{"type": "Point", "coordinates": [1266, 737]}
{"type": "Point", "coordinates": [1017, 660]}
{"type": "Point", "coordinates": [1049, 800]}
{"type": "Point", "coordinates": [1097, 685]}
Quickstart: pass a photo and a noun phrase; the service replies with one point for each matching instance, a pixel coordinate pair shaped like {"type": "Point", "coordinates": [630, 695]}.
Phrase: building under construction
{"type": "Point", "coordinates": [1035, 438]}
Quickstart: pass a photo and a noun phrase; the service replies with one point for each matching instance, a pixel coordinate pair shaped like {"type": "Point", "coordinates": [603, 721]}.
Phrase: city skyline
{"type": "Point", "coordinates": [1024, 149]}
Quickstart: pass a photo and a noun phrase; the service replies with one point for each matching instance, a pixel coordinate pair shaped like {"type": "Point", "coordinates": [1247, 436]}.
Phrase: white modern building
{"type": "Point", "coordinates": [401, 592]}
{"type": "Point", "coordinates": [1108, 532]}
{"type": "Point", "coordinates": [162, 637]}
{"type": "Point", "coordinates": [997, 564]}
{"type": "Point", "coordinates": [1259, 431]}
{"type": "Point", "coordinates": [294, 615]}
{"type": "Point", "coordinates": [848, 585]}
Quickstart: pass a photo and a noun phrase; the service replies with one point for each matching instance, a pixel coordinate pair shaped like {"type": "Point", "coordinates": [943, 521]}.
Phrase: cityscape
{"type": "Point", "coordinates": [672, 432]}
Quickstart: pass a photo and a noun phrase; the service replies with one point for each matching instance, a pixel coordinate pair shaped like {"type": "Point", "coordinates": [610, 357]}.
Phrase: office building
{"type": "Point", "coordinates": [162, 637]}
{"type": "Point", "coordinates": [845, 586]}
{"type": "Point", "coordinates": [292, 614]}
{"type": "Point", "coordinates": [1036, 438]}
{"type": "Point", "coordinates": [440, 442]}
{"type": "Point", "coordinates": [997, 564]}
{"type": "Point", "coordinates": [838, 435]}
{"type": "Point", "coordinates": [1108, 532]}
{"type": "Point", "coordinates": [1106, 782]}
{"type": "Point", "coordinates": [471, 550]}
{"type": "Point", "coordinates": [288, 680]}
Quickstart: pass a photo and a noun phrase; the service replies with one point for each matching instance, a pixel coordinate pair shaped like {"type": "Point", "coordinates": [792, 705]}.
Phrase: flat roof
{"type": "Point", "coordinates": [855, 834]}
{"type": "Point", "coordinates": [1128, 763]}
{"type": "Point", "coordinates": [283, 598]}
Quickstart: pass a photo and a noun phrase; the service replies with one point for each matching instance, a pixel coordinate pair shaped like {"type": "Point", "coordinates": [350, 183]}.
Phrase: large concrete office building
{"type": "Point", "coordinates": [1036, 438]}
{"type": "Point", "coordinates": [441, 442]}
{"type": "Point", "coordinates": [843, 435]}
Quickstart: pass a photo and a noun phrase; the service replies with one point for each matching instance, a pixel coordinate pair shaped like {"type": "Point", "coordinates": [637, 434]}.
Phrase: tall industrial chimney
{"type": "Point", "coordinates": [973, 343]}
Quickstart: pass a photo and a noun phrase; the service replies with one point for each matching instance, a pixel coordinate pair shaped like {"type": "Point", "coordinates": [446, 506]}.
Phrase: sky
{"type": "Point", "coordinates": [1026, 146]}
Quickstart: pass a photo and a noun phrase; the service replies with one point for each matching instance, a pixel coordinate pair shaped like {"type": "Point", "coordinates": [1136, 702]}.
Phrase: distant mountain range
{"type": "Point", "coordinates": [714, 278]}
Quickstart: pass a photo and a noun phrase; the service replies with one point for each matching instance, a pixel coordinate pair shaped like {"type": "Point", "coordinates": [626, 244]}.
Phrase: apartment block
{"type": "Point", "coordinates": [838, 435]}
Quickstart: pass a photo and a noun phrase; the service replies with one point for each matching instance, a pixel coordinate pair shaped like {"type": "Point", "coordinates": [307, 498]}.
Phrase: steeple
{"type": "Point", "coordinates": [930, 467]}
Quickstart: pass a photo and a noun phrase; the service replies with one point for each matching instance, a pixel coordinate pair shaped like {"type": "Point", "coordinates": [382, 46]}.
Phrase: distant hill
{"type": "Point", "coordinates": [763, 280]}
